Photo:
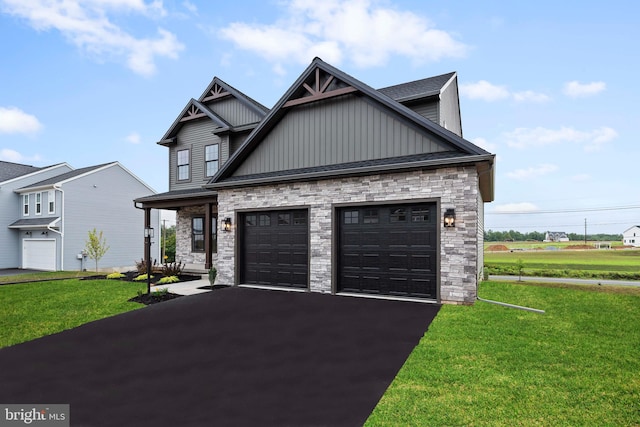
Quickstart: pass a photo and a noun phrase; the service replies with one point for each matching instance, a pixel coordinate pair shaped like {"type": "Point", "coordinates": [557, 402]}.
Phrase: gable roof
{"type": "Point", "coordinates": [419, 88]}
{"type": "Point", "coordinates": [14, 171]}
{"type": "Point", "coordinates": [305, 89]}
{"type": "Point", "coordinates": [196, 109]}
{"type": "Point", "coordinates": [10, 170]}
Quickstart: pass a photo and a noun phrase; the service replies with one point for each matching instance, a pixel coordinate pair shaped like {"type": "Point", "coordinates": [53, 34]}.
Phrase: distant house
{"type": "Point", "coordinates": [339, 188]}
{"type": "Point", "coordinates": [556, 236]}
{"type": "Point", "coordinates": [46, 215]}
{"type": "Point", "coordinates": [631, 237]}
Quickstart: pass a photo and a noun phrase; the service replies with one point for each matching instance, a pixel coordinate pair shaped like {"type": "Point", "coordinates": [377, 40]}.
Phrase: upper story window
{"type": "Point", "coordinates": [183, 165]}
{"type": "Point", "coordinates": [211, 159]}
{"type": "Point", "coordinates": [51, 199]}
{"type": "Point", "coordinates": [25, 204]}
{"type": "Point", "coordinates": [38, 203]}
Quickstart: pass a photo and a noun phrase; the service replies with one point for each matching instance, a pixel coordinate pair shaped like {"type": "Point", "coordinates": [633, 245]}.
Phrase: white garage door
{"type": "Point", "coordinates": [39, 254]}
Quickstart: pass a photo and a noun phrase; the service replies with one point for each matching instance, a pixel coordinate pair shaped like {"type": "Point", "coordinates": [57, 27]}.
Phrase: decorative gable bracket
{"type": "Point", "coordinates": [192, 113]}
{"type": "Point", "coordinates": [321, 86]}
{"type": "Point", "coordinates": [216, 92]}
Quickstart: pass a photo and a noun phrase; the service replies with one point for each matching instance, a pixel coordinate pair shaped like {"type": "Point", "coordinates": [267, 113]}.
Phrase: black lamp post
{"type": "Point", "coordinates": [148, 234]}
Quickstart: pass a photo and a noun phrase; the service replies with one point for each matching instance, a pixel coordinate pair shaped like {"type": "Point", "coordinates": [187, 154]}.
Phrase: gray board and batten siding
{"type": "Point", "coordinates": [234, 112]}
{"type": "Point", "coordinates": [339, 130]}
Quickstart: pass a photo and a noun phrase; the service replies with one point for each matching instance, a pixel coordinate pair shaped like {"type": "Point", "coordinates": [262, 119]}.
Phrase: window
{"type": "Point", "coordinates": [398, 215]}
{"type": "Point", "coordinates": [370, 216]}
{"type": "Point", "coordinates": [264, 221]}
{"type": "Point", "coordinates": [25, 204]}
{"type": "Point", "coordinates": [211, 158]}
{"type": "Point", "coordinates": [284, 219]}
{"type": "Point", "coordinates": [351, 217]}
{"type": "Point", "coordinates": [420, 215]}
{"type": "Point", "coordinates": [250, 220]}
{"type": "Point", "coordinates": [197, 234]}
{"type": "Point", "coordinates": [38, 203]}
{"type": "Point", "coordinates": [51, 199]}
{"type": "Point", "coordinates": [183, 165]}
{"type": "Point", "coordinates": [299, 218]}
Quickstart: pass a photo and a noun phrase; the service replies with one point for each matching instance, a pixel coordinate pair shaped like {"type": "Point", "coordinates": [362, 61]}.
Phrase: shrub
{"type": "Point", "coordinates": [141, 277]}
{"type": "Point", "coordinates": [115, 275]}
{"type": "Point", "coordinates": [172, 269]}
{"type": "Point", "coordinates": [160, 292]}
{"type": "Point", "coordinates": [141, 266]}
{"type": "Point", "coordinates": [168, 279]}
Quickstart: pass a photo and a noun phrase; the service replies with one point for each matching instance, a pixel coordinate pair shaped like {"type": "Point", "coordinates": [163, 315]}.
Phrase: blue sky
{"type": "Point", "coordinates": [550, 87]}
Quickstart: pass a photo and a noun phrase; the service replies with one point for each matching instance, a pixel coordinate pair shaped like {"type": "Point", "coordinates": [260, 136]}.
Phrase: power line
{"type": "Point", "coordinates": [582, 210]}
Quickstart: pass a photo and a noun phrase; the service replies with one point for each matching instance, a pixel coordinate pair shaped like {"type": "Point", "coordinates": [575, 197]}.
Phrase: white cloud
{"type": "Point", "coordinates": [14, 120]}
{"type": "Point", "coordinates": [361, 31]}
{"type": "Point", "coordinates": [530, 96]}
{"type": "Point", "coordinates": [490, 92]}
{"type": "Point", "coordinates": [190, 6]}
{"type": "Point", "coordinates": [484, 90]}
{"type": "Point", "coordinates": [576, 89]}
{"type": "Point", "coordinates": [538, 137]}
{"type": "Point", "coordinates": [522, 207]}
{"type": "Point", "coordinates": [134, 138]}
{"type": "Point", "coordinates": [9, 155]}
{"type": "Point", "coordinates": [87, 25]}
{"type": "Point", "coordinates": [533, 172]}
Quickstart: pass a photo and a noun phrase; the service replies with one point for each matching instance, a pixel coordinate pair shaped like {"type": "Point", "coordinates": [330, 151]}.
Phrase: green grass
{"type": "Point", "coordinates": [486, 365]}
{"type": "Point", "coordinates": [545, 245]}
{"type": "Point", "coordinates": [29, 277]}
{"type": "Point", "coordinates": [606, 264]}
{"type": "Point", "coordinates": [33, 310]}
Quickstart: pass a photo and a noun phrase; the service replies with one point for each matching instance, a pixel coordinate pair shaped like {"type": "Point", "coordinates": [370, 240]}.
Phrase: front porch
{"type": "Point", "coordinates": [196, 225]}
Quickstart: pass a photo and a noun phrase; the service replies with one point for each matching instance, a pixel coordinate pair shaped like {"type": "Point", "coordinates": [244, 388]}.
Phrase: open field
{"type": "Point", "coordinates": [546, 245]}
{"type": "Point", "coordinates": [487, 365]}
{"type": "Point", "coordinates": [603, 264]}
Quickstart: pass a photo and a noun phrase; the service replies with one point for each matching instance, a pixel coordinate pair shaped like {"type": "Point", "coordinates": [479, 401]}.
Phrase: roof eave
{"type": "Point", "coordinates": [357, 171]}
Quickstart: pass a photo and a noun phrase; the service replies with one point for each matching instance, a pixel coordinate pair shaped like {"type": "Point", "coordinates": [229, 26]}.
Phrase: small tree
{"type": "Point", "coordinates": [520, 268]}
{"type": "Point", "coordinates": [96, 246]}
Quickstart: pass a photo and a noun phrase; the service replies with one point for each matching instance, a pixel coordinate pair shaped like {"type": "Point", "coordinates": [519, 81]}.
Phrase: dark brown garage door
{"type": "Point", "coordinates": [275, 248]}
{"type": "Point", "coordinates": [389, 250]}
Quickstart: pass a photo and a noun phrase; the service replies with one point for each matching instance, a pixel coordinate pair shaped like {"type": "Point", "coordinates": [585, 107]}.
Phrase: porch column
{"type": "Point", "coordinates": [207, 236]}
{"type": "Point", "coordinates": [147, 240]}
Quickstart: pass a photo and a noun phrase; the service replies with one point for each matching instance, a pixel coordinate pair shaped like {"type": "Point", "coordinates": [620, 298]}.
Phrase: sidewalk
{"type": "Point", "coordinates": [185, 288]}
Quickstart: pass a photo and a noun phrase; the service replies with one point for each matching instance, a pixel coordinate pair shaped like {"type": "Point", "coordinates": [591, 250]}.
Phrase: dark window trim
{"type": "Point", "coordinates": [214, 234]}
{"type": "Point", "coordinates": [189, 164]}
{"type": "Point", "coordinates": [206, 162]}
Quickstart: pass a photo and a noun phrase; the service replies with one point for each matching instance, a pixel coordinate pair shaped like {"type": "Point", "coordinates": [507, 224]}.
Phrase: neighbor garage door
{"type": "Point", "coordinates": [39, 254]}
{"type": "Point", "coordinates": [389, 250]}
{"type": "Point", "coordinates": [275, 248]}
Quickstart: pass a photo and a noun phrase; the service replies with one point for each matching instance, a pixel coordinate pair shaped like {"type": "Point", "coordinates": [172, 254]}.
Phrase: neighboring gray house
{"type": "Point", "coordinates": [631, 236]}
{"type": "Point", "coordinates": [556, 236]}
{"type": "Point", "coordinates": [46, 214]}
{"type": "Point", "coordinates": [340, 188]}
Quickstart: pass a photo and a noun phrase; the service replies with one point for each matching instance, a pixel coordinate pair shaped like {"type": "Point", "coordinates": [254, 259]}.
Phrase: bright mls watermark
{"type": "Point", "coordinates": [57, 415]}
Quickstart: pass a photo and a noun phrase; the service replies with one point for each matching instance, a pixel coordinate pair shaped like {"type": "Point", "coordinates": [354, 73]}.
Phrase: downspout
{"type": "Point", "coordinates": [61, 232]}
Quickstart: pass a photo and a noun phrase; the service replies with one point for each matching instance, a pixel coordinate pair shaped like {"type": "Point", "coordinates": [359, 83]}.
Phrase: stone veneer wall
{"type": "Point", "coordinates": [183, 236]}
{"type": "Point", "coordinates": [454, 187]}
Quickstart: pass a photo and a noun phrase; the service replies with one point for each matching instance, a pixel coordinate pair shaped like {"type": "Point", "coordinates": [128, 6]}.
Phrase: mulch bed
{"type": "Point", "coordinates": [234, 357]}
{"type": "Point", "coordinates": [154, 298]}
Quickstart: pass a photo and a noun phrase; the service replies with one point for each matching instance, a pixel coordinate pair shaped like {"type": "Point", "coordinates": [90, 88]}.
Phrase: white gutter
{"type": "Point", "coordinates": [61, 232]}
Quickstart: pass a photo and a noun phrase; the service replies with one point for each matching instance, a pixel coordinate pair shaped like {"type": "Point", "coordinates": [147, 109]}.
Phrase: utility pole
{"type": "Point", "coordinates": [585, 231]}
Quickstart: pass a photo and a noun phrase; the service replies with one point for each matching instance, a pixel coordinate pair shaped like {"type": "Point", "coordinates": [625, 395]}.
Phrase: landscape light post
{"type": "Point", "coordinates": [148, 234]}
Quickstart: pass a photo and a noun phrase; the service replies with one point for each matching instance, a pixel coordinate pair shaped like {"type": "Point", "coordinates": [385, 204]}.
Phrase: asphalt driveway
{"type": "Point", "coordinates": [235, 356]}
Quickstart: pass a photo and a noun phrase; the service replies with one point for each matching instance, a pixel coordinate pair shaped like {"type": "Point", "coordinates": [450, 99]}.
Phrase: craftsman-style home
{"type": "Point", "coordinates": [339, 188]}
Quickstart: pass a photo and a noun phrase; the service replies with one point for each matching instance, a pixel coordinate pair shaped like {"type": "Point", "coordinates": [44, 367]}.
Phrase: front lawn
{"type": "Point", "coordinates": [487, 365]}
{"type": "Point", "coordinates": [32, 310]}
